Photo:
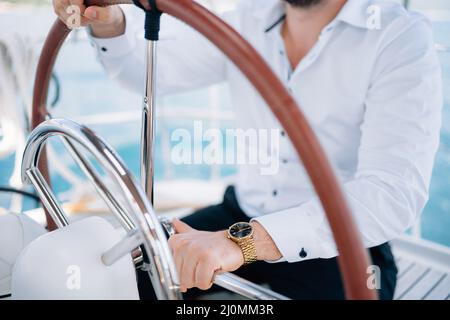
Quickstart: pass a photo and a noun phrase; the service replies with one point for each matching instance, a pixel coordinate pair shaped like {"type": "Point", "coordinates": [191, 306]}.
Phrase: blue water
{"type": "Point", "coordinates": [87, 90]}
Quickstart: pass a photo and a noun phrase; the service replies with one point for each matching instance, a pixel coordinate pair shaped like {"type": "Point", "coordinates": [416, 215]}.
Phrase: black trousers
{"type": "Point", "coordinates": [307, 280]}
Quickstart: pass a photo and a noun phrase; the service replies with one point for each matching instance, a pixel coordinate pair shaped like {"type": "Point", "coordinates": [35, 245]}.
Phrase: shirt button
{"type": "Point", "coordinates": [284, 161]}
{"type": "Point", "coordinates": [303, 253]}
{"type": "Point", "coordinates": [282, 133]}
{"type": "Point", "coordinates": [104, 49]}
{"type": "Point", "coordinates": [275, 192]}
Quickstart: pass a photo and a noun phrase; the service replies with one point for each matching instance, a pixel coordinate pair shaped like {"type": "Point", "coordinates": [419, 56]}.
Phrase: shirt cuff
{"type": "Point", "coordinates": [294, 232]}
{"type": "Point", "coordinates": [117, 46]}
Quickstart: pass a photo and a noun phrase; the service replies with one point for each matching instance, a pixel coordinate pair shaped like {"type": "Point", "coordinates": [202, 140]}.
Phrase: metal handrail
{"type": "Point", "coordinates": [148, 230]}
{"type": "Point", "coordinates": [162, 270]}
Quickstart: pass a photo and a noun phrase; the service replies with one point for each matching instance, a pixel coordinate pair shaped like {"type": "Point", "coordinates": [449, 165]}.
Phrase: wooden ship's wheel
{"type": "Point", "coordinates": [353, 257]}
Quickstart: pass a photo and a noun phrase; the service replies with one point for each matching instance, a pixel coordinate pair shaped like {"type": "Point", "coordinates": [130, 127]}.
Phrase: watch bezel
{"type": "Point", "coordinates": [240, 238]}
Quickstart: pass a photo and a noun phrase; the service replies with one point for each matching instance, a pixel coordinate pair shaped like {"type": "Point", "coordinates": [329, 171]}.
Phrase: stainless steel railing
{"type": "Point", "coordinates": [146, 231]}
{"type": "Point", "coordinates": [162, 271]}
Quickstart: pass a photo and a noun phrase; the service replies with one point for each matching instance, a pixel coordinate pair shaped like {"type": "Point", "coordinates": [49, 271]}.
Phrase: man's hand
{"type": "Point", "coordinates": [199, 255]}
{"type": "Point", "coordinates": [105, 22]}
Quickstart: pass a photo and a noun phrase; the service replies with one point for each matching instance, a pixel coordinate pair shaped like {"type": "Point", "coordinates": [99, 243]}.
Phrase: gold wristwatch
{"type": "Point", "coordinates": [242, 234]}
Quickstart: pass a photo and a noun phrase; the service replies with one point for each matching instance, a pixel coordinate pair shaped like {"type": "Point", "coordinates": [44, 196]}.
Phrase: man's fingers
{"type": "Point", "coordinates": [70, 12]}
{"type": "Point", "coordinates": [188, 273]}
{"type": "Point", "coordinates": [181, 227]}
{"type": "Point", "coordinates": [204, 275]}
{"type": "Point", "coordinates": [91, 13]}
{"type": "Point", "coordinates": [77, 3]}
{"type": "Point", "coordinates": [59, 6]}
{"type": "Point", "coordinates": [99, 14]}
{"type": "Point", "coordinates": [85, 21]}
{"type": "Point", "coordinates": [105, 22]}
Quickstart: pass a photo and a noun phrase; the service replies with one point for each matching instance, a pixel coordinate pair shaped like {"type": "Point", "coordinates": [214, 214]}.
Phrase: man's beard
{"type": "Point", "coordinates": [303, 3]}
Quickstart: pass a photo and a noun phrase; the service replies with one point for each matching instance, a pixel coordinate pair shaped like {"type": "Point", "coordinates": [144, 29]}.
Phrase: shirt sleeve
{"type": "Point", "coordinates": [399, 140]}
{"type": "Point", "coordinates": [185, 59]}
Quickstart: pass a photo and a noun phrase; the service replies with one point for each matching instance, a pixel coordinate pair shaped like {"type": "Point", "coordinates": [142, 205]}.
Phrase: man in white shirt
{"type": "Point", "coordinates": [368, 80]}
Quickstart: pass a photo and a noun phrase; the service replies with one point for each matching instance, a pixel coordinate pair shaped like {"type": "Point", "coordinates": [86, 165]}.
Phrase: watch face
{"type": "Point", "coordinates": [241, 230]}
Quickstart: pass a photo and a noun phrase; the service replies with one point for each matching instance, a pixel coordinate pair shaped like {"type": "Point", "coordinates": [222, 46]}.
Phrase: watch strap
{"type": "Point", "coordinates": [248, 249]}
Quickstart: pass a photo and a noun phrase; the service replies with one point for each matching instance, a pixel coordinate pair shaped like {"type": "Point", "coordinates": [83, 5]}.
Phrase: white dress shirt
{"type": "Point", "coordinates": [372, 96]}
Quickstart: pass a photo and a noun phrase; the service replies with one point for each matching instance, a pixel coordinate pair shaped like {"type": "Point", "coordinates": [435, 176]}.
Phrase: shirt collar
{"type": "Point", "coordinates": [353, 13]}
